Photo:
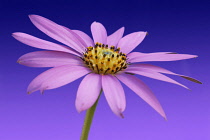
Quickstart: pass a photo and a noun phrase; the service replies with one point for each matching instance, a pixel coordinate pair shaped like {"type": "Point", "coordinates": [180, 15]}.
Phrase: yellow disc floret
{"type": "Point", "coordinates": [102, 59]}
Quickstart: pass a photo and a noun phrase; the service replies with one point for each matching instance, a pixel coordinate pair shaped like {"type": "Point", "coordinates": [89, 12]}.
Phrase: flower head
{"type": "Point", "coordinates": [104, 61]}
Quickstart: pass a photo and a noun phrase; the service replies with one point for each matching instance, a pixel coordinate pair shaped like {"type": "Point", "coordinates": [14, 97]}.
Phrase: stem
{"type": "Point", "coordinates": [88, 120]}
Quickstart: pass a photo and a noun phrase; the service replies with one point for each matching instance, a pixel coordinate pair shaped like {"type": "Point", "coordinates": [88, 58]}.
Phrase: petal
{"type": "Point", "coordinates": [57, 32]}
{"type": "Point", "coordinates": [98, 32]}
{"type": "Point", "coordinates": [41, 44]}
{"type": "Point", "coordinates": [162, 70]}
{"type": "Point", "coordinates": [77, 36]}
{"type": "Point", "coordinates": [131, 41]}
{"type": "Point", "coordinates": [114, 94]}
{"type": "Point", "coordinates": [152, 74]}
{"type": "Point", "coordinates": [88, 91]}
{"type": "Point", "coordinates": [114, 38]}
{"type": "Point", "coordinates": [48, 59]}
{"type": "Point", "coordinates": [56, 77]}
{"type": "Point", "coordinates": [85, 37]}
{"type": "Point", "coordinates": [144, 57]}
{"type": "Point", "coordinates": [142, 90]}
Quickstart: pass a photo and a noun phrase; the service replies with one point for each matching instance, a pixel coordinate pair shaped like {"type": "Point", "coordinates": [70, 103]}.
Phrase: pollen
{"type": "Point", "coordinates": [102, 59]}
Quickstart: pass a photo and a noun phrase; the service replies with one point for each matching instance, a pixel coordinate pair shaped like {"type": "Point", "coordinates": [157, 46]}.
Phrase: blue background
{"type": "Point", "coordinates": [176, 26]}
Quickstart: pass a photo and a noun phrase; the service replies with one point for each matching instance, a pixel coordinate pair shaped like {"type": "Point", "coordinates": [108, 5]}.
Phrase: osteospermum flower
{"type": "Point", "coordinates": [104, 61]}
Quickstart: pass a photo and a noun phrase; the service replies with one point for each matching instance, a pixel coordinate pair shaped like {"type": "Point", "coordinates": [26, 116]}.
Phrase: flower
{"type": "Point", "coordinates": [104, 61]}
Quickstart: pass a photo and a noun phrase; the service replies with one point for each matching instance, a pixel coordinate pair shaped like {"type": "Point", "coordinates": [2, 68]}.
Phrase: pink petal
{"type": "Point", "coordinates": [131, 41]}
{"type": "Point", "coordinates": [85, 37]}
{"type": "Point", "coordinates": [98, 32]}
{"type": "Point", "coordinates": [142, 90]}
{"type": "Point", "coordinates": [48, 59]}
{"type": "Point", "coordinates": [42, 44]}
{"type": "Point", "coordinates": [57, 32]}
{"type": "Point", "coordinates": [83, 43]}
{"type": "Point", "coordinates": [57, 77]}
{"type": "Point", "coordinates": [114, 94]}
{"type": "Point", "coordinates": [163, 53]}
{"type": "Point", "coordinates": [162, 70]}
{"type": "Point", "coordinates": [152, 74]}
{"type": "Point", "coordinates": [144, 57]}
{"type": "Point", "coordinates": [114, 38]}
{"type": "Point", "coordinates": [88, 91]}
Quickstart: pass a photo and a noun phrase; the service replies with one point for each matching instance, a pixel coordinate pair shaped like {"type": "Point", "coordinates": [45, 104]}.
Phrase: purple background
{"type": "Point", "coordinates": [177, 26]}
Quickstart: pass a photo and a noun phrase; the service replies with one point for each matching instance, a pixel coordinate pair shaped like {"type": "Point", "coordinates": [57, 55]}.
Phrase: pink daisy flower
{"type": "Point", "coordinates": [103, 60]}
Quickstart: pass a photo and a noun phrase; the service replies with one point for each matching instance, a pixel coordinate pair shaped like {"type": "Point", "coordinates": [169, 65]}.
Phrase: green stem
{"type": "Point", "coordinates": [88, 120]}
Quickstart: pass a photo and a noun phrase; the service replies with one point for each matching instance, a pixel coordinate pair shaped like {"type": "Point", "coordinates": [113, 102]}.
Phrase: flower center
{"type": "Point", "coordinates": [102, 59]}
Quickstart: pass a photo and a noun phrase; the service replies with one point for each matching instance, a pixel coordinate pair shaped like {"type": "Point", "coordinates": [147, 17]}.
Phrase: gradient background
{"type": "Point", "coordinates": [177, 26]}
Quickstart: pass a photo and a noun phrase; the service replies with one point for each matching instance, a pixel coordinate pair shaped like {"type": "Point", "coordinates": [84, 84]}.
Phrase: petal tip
{"type": "Point", "coordinates": [189, 89]}
{"type": "Point", "coordinates": [123, 28]}
{"type": "Point", "coordinates": [79, 110]}
{"type": "Point", "coordinates": [18, 61]}
{"type": "Point", "coordinates": [15, 34]}
{"type": "Point", "coordinates": [122, 116]}
{"type": "Point", "coordinates": [79, 107]}
{"type": "Point", "coordinates": [191, 79]}
{"type": "Point", "coordinates": [32, 15]}
{"type": "Point", "coordinates": [164, 116]}
{"type": "Point", "coordinates": [94, 22]}
{"type": "Point", "coordinates": [30, 90]}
